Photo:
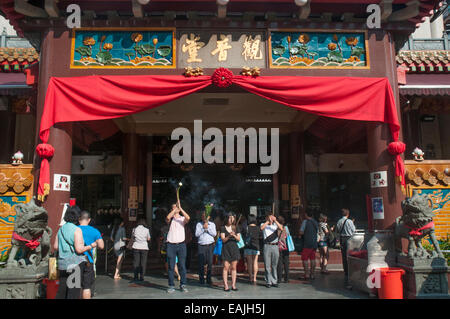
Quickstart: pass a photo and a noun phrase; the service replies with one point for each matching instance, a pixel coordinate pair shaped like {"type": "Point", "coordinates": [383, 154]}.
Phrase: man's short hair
{"type": "Point", "coordinates": [85, 215]}
{"type": "Point", "coordinates": [345, 211]}
{"type": "Point", "coordinates": [309, 213]}
{"type": "Point", "coordinates": [269, 214]}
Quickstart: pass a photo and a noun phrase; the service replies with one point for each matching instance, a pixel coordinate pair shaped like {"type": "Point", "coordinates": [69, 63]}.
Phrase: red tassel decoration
{"type": "Point", "coordinates": [397, 148]}
{"type": "Point", "coordinates": [45, 151]}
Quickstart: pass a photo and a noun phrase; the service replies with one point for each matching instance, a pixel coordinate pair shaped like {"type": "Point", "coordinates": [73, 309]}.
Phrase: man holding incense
{"type": "Point", "coordinates": [205, 231]}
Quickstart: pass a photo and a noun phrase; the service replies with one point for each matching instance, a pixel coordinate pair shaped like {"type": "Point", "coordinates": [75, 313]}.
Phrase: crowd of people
{"type": "Point", "coordinates": [230, 241]}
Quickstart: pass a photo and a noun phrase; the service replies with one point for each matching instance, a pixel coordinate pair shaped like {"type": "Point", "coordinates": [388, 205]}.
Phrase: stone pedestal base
{"type": "Point", "coordinates": [424, 278]}
{"type": "Point", "coordinates": [20, 284]}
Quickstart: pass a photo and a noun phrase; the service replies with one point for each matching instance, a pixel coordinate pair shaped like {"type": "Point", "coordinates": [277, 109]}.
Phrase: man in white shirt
{"type": "Point", "coordinates": [345, 229]}
{"type": "Point", "coordinates": [205, 231]}
{"type": "Point", "coordinates": [271, 251]}
{"type": "Point", "coordinates": [176, 245]}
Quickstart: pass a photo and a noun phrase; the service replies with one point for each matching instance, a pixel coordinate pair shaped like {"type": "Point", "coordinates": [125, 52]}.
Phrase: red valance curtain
{"type": "Point", "coordinates": [106, 97]}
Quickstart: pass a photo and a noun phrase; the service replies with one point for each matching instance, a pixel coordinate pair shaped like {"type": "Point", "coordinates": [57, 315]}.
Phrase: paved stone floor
{"type": "Point", "coordinates": [155, 285]}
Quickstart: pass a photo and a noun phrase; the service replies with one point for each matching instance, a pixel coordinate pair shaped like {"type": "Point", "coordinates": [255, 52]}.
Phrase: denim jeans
{"type": "Point", "coordinates": [173, 251]}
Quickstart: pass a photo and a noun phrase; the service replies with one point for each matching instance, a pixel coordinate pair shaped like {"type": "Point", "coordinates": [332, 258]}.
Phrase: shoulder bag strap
{"type": "Point", "coordinates": [342, 229]}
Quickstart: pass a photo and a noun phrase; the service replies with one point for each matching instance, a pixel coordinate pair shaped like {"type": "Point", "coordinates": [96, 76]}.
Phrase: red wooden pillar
{"type": "Point", "coordinates": [149, 181]}
{"type": "Point", "coordinates": [378, 138]}
{"type": "Point", "coordinates": [297, 178]}
{"type": "Point", "coordinates": [129, 172]}
{"type": "Point", "coordinates": [283, 176]}
{"type": "Point", "coordinates": [61, 163]}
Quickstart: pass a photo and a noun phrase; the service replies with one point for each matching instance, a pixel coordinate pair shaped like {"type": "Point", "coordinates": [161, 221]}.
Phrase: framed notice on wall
{"type": "Point", "coordinates": [132, 214]}
{"type": "Point", "coordinates": [61, 182]}
{"type": "Point", "coordinates": [377, 208]}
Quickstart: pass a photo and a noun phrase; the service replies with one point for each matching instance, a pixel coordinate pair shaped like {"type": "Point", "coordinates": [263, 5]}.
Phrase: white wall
{"type": "Point", "coordinates": [429, 30]}
{"type": "Point", "coordinates": [5, 24]}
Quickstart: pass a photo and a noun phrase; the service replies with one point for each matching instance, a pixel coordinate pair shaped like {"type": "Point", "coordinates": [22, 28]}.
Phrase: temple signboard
{"type": "Point", "coordinates": [182, 48]}
{"type": "Point", "coordinates": [230, 49]}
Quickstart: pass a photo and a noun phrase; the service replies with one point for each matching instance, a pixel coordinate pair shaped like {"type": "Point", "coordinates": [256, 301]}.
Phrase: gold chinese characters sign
{"type": "Point", "coordinates": [221, 49]}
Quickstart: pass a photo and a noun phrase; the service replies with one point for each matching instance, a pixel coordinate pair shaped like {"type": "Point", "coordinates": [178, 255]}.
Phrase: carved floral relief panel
{"type": "Point", "coordinates": [16, 187]}
{"type": "Point", "coordinates": [123, 48]}
{"type": "Point", "coordinates": [317, 49]}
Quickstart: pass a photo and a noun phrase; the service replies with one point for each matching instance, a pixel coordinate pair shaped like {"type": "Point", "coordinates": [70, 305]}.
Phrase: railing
{"type": "Point", "coordinates": [427, 44]}
{"type": "Point", "coordinates": [13, 42]}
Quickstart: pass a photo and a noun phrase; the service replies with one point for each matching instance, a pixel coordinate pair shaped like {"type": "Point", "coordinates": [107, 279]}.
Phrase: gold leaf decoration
{"type": "Point", "coordinates": [247, 71]}
{"type": "Point", "coordinates": [189, 72]}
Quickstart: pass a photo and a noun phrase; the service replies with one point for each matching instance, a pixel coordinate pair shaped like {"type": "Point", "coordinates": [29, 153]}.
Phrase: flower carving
{"type": "Point", "coordinates": [222, 77]}
{"type": "Point", "coordinates": [136, 37]}
{"type": "Point", "coordinates": [107, 46]}
{"type": "Point", "coordinates": [303, 38]}
{"type": "Point", "coordinates": [332, 46]}
{"type": "Point", "coordinates": [351, 41]}
{"type": "Point", "coordinates": [89, 41]}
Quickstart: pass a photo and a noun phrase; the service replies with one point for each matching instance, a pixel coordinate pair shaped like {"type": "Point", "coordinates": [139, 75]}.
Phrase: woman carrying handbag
{"type": "Point", "coordinates": [283, 260]}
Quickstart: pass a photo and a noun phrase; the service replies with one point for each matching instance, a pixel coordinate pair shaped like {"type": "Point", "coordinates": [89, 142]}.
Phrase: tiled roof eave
{"type": "Point", "coordinates": [427, 61]}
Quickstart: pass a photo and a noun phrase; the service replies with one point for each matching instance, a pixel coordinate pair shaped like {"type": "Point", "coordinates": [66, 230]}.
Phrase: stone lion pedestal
{"type": "Point", "coordinates": [424, 278]}
{"type": "Point", "coordinates": [18, 283]}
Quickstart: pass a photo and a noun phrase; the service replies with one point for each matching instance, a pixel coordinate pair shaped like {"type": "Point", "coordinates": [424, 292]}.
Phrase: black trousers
{"type": "Point", "coordinates": [139, 262]}
{"type": "Point", "coordinates": [66, 289]}
{"type": "Point", "coordinates": [205, 256]}
{"type": "Point", "coordinates": [283, 263]}
{"type": "Point", "coordinates": [343, 241]}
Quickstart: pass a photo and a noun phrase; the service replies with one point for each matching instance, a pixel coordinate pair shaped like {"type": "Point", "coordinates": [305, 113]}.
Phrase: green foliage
{"type": "Point", "coordinates": [279, 50]}
{"type": "Point", "coordinates": [335, 56]}
{"type": "Point", "coordinates": [299, 50]}
{"type": "Point", "coordinates": [164, 50]}
{"type": "Point", "coordinates": [5, 256]}
{"type": "Point", "coordinates": [357, 51]}
{"type": "Point", "coordinates": [145, 49]}
{"type": "Point", "coordinates": [104, 57]}
{"type": "Point", "coordinates": [84, 51]}
{"type": "Point", "coordinates": [444, 244]}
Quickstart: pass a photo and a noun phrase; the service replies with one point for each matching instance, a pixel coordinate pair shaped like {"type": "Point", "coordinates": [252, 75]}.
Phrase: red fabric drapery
{"type": "Point", "coordinates": [106, 97]}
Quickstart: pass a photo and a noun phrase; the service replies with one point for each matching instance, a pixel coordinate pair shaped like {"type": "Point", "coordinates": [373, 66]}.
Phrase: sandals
{"type": "Point", "coordinates": [234, 289]}
{"type": "Point", "coordinates": [227, 290]}
{"type": "Point", "coordinates": [117, 277]}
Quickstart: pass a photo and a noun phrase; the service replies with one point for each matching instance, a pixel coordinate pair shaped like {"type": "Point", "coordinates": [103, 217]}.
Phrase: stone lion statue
{"type": "Point", "coordinates": [32, 234]}
{"type": "Point", "coordinates": [415, 224]}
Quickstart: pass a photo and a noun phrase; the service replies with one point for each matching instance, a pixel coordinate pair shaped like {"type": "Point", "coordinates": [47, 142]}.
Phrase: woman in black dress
{"type": "Point", "coordinates": [230, 236]}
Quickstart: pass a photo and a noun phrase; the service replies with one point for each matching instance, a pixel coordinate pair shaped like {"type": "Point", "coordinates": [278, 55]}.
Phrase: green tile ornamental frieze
{"type": "Point", "coordinates": [318, 49]}
{"type": "Point", "coordinates": [123, 48]}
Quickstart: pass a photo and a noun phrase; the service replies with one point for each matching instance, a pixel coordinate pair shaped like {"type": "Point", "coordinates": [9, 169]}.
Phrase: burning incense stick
{"type": "Point", "coordinates": [178, 191]}
{"type": "Point", "coordinates": [208, 209]}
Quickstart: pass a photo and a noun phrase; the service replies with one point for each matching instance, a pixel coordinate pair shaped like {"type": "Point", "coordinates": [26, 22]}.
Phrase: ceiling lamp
{"type": "Point", "coordinates": [301, 3]}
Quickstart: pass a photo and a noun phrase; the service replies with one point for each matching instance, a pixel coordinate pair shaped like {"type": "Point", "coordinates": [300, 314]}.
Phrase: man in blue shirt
{"type": "Point", "coordinates": [206, 232]}
{"type": "Point", "coordinates": [90, 235]}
